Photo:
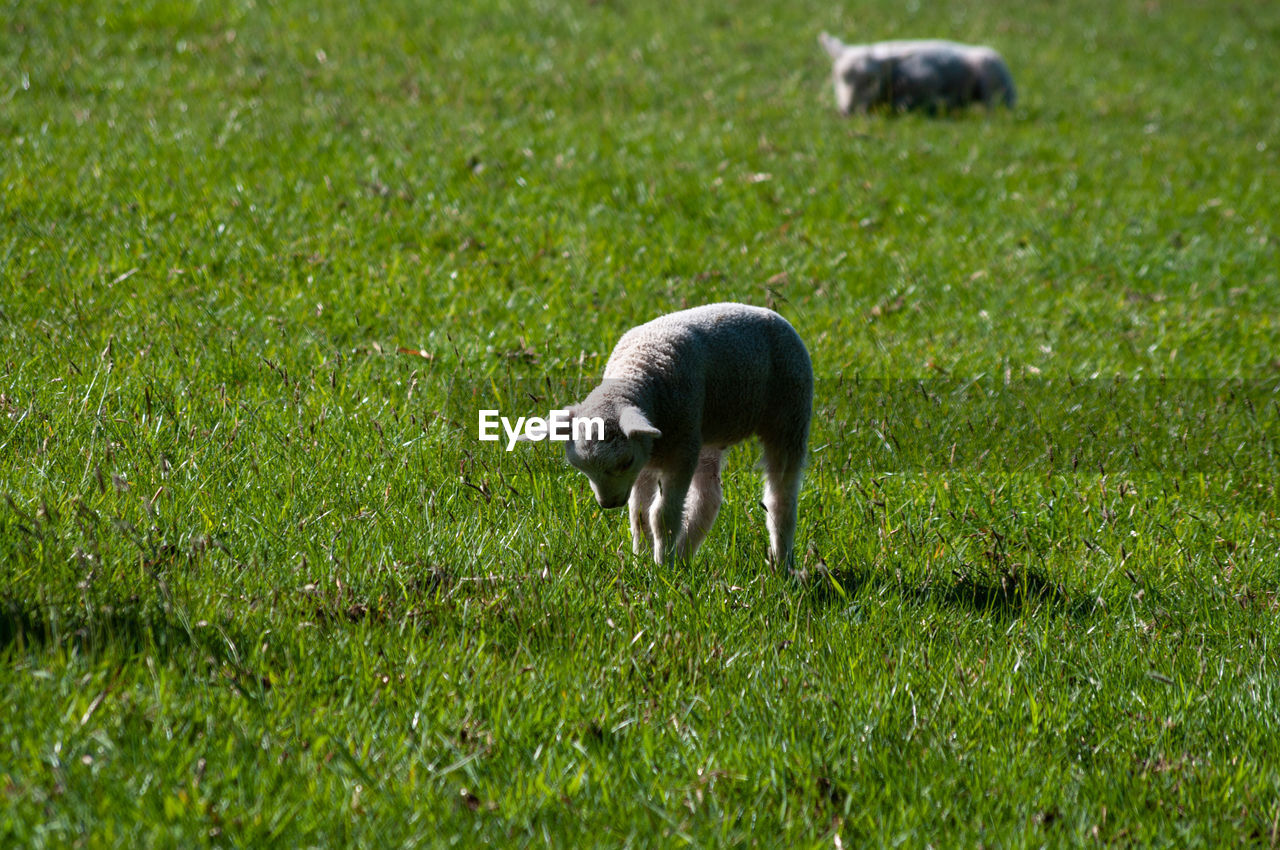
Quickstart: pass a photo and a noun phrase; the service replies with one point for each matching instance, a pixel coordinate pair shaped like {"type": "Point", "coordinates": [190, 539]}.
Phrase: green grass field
{"type": "Point", "coordinates": [262, 262]}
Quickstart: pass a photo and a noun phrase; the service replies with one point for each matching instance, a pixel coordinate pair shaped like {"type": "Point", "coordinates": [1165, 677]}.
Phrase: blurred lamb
{"type": "Point", "coordinates": [929, 75]}
{"type": "Point", "coordinates": [676, 393]}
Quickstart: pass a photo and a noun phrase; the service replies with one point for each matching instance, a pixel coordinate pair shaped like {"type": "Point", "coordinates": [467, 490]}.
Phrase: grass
{"type": "Point", "coordinates": [262, 585]}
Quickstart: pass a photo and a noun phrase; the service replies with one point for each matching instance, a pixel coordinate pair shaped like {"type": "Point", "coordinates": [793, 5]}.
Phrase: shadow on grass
{"type": "Point", "coordinates": [130, 630]}
{"type": "Point", "coordinates": [1003, 595]}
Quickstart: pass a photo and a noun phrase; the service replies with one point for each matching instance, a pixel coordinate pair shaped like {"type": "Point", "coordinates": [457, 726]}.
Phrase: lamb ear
{"type": "Point", "coordinates": [832, 45]}
{"type": "Point", "coordinates": [633, 423]}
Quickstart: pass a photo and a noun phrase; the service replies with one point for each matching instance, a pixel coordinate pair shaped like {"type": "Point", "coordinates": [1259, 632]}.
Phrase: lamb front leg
{"type": "Point", "coordinates": [639, 504]}
{"type": "Point", "coordinates": [666, 515]}
{"type": "Point", "coordinates": [703, 502]}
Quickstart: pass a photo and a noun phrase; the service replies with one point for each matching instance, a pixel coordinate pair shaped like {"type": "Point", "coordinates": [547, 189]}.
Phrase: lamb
{"type": "Point", "coordinates": [676, 393]}
{"type": "Point", "coordinates": [928, 74]}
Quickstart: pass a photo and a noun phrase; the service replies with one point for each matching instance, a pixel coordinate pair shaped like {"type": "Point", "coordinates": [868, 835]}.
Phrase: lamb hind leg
{"type": "Point", "coordinates": [781, 499]}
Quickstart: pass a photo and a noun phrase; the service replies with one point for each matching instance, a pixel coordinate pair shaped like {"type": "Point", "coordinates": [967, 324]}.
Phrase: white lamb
{"type": "Point", "coordinates": [928, 74]}
{"type": "Point", "coordinates": [676, 393]}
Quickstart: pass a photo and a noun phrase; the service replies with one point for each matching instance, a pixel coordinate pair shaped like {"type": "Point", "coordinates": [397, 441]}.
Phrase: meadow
{"type": "Point", "coordinates": [260, 584]}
